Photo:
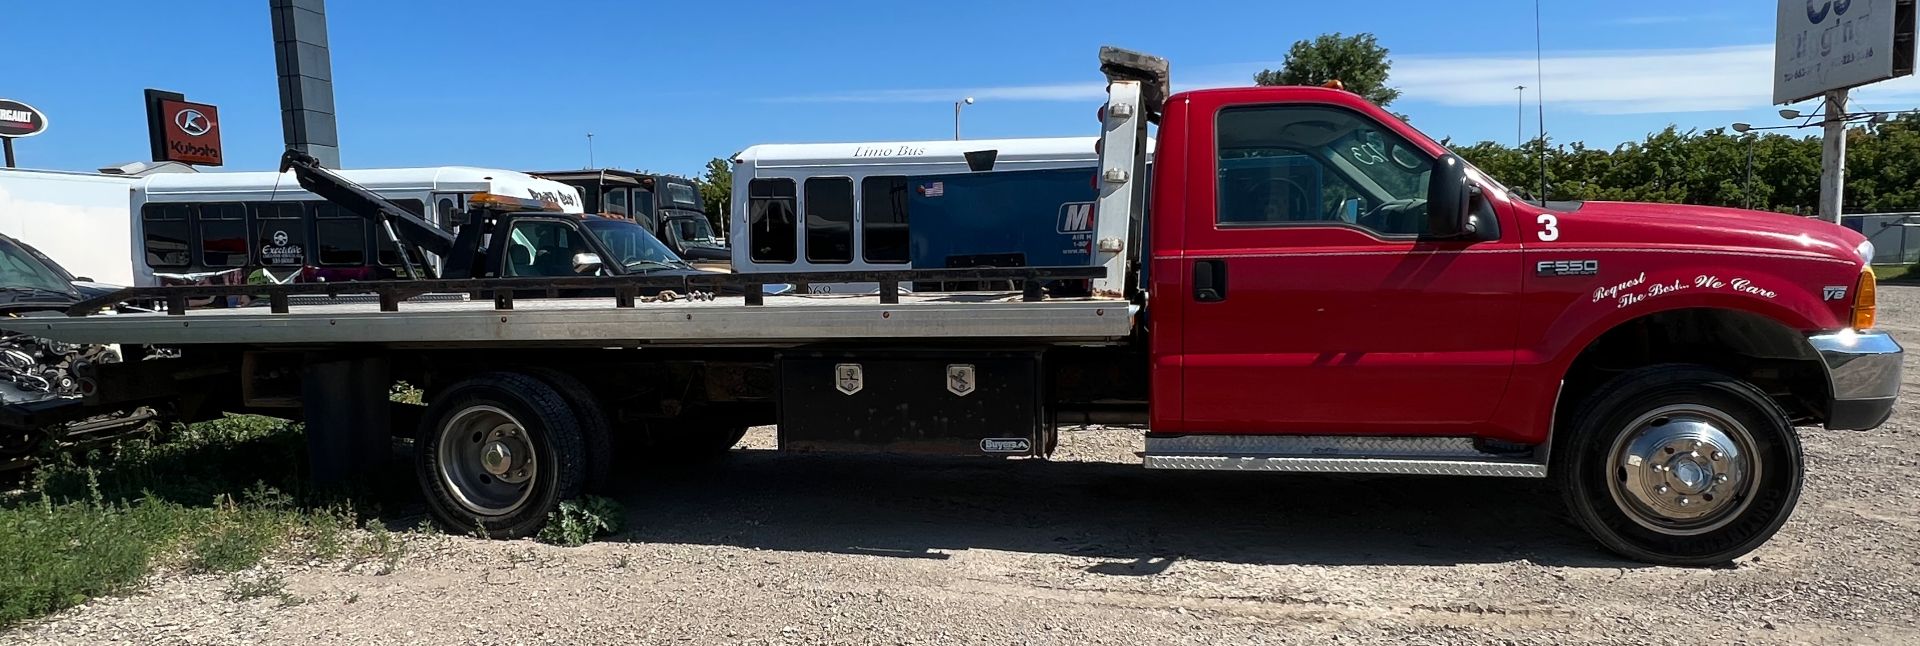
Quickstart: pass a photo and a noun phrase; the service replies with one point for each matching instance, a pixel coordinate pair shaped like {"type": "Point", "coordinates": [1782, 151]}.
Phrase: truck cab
{"type": "Point", "coordinates": [668, 206]}
{"type": "Point", "coordinates": [1329, 289]}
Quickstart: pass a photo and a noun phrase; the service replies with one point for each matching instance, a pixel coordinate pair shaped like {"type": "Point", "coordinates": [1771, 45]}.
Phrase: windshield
{"type": "Point", "coordinates": [632, 247]}
{"type": "Point", "coordinates": [18, 268]}
{"type": "Point", "coordinates": [683, 195]}
{"type": "Point", "coordinates": [692, 232]}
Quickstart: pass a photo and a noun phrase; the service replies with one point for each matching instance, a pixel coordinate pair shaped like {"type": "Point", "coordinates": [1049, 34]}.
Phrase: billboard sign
{"type": "Point", "coordinates": [20, 120]}
{"type": "Point", "coordinates": [1825, 45]}
{"type": "Point", "coordinates": [190, 132]}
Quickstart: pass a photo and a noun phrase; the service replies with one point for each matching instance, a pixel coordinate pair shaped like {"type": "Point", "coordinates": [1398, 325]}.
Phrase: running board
{"type": "Point", "coordinates": [1444, 456]}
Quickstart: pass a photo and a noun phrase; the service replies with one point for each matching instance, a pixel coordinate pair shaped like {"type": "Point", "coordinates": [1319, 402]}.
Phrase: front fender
{"type": "Point", "coordinates": [1572, 315]}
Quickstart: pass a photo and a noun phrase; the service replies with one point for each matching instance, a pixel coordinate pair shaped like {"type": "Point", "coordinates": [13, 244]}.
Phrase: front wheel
{"type": "Point", "coordinates": [1680, 465]}
{"type": "Point", "coordinates": [497, 453]}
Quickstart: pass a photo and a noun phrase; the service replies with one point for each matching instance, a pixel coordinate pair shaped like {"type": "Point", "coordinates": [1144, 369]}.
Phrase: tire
{"type": "Point", "coordinates": [596, 432]}
{"type": "Point", "coordinates": [511, 495]}
{"type": "Point", "coordinates": [1642, 468]}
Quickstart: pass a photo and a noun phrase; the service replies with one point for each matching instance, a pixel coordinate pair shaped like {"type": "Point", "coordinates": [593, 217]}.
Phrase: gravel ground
{"type": "Point", "coordinates": [1093, 550]}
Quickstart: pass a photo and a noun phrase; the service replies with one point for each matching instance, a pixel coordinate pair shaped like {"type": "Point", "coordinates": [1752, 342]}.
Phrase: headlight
{"type": "Point", "coordinates": [1865, 250]}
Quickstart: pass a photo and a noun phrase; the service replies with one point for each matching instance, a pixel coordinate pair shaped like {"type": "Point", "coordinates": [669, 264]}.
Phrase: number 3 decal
{"type": "Point", "coordinates": [1549, 227]}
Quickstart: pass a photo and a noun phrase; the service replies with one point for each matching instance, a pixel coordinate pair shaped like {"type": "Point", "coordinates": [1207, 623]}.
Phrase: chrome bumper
{"type": "Point", "coordinates": [1863, 371]}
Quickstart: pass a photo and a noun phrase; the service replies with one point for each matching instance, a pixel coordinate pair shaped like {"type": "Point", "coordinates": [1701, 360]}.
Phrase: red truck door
{"type": "Point", "coordinates": [1312, 304]}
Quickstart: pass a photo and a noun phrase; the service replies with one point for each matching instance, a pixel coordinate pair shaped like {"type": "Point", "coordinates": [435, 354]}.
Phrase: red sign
{"type": "Point", "coordinates": [190, 132]}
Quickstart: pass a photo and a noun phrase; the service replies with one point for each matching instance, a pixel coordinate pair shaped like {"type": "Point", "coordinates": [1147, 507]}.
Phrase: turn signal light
{"type": "Point", "coordinates": [1865, 304]}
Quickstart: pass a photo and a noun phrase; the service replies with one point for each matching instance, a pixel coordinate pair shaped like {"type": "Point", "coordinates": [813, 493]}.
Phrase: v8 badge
{"type": "Point", "coordinates": [960, 379]}
{"type": "Point", "coordinates": [1833, 292]}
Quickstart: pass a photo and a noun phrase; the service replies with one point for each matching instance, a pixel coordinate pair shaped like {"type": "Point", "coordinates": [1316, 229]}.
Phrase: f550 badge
{"type": "Point", "coordinates": [1552, 268]}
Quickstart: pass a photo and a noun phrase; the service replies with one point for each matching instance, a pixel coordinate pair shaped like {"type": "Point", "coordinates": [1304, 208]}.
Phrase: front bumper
{"type": "Point", "coordinates": [1863, 373]}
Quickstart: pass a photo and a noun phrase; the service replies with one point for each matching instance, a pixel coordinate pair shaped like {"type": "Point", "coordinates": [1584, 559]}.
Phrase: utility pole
{"type": "Point", "coordinates": [1833, 156]}
{"type": "Point", "coordinates": [589, 151]}
{"type": "Point", "coordinates": [1520, 117]}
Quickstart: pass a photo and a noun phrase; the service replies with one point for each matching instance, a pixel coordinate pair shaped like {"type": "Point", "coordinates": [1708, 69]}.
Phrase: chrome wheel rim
{"type": "Point", "coordinates": [487, 461]}
{"type": "Point", "coordinates": [1683, 469]}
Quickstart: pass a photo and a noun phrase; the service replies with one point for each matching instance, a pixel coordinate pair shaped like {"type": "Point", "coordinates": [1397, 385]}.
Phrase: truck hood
{"type": "Point", "coordinates": [1717, 226]}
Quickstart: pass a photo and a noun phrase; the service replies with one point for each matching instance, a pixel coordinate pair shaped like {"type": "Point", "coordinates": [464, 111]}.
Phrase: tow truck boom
{"type": "Point", "coordinates": [358, 200]}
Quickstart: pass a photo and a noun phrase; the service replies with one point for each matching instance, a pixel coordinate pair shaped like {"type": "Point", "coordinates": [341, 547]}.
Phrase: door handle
{"type": "Point", "coordinates": [1209, 281]}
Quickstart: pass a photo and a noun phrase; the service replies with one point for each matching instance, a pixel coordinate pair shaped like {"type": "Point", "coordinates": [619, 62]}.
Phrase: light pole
{"type": "Point", "coordinates": [956, 115]}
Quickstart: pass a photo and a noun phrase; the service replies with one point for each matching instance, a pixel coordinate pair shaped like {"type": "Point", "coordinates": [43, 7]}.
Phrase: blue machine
{"type": "Point", "coordinates": [1036, 218]}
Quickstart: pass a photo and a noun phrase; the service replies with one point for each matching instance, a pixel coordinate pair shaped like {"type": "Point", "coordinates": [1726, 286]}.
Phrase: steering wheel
{"type": "Point", "coordinates": [1296, 204]}
{"type": "Point", "coordinates": [1393, 216]}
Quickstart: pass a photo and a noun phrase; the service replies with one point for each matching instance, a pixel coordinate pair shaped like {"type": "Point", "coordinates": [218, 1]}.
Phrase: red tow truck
{"type": "Point", "coordinates": [1319, 287]}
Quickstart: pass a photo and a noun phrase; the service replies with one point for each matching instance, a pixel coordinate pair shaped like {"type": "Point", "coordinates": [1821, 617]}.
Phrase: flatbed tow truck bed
{"type": "Point", "coordinates": [721, 321]}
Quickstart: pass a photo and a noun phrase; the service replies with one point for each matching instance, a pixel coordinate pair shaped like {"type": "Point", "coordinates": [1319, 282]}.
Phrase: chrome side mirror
{"type": "Point", "coordinates": [586, 262]}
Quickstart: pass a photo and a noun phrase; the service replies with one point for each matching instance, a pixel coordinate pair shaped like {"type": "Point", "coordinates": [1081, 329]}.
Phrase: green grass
{"type": "Point", "coordinates": [578, 522]}
{"type": "Point", "coordinates": [1885, 273]}
{"type": "Point", "coordinates": [215, 497]}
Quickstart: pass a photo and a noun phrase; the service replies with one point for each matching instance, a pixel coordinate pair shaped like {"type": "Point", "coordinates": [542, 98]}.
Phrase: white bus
{"type": "Point", "coordinates": [854, 196]}
{"type": "Point", "coordinates": [187, 227]}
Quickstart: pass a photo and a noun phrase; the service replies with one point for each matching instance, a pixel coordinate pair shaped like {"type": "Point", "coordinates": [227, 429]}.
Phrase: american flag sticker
{"type": "Point", "coordinates": [933, 189]}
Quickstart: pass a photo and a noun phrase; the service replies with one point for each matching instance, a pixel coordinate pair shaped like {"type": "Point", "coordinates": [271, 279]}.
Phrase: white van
{"type": "Point", "coordinates": [193, 225]}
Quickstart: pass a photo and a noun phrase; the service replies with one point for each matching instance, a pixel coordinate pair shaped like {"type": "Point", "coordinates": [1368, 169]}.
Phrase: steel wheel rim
{"type": "Point", "coordinates": [487, 460]}
{"type": "Point", "coordinates": [1683, 469]}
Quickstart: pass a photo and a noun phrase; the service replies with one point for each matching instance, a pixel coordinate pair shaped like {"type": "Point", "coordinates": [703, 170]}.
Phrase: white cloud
{"type": "Point", "coordinates": [1707, 79]}
{"type": "Point", "coordinates": [1092, 91]}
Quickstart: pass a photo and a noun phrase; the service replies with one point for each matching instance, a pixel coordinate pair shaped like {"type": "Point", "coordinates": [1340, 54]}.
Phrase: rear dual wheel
{"type": "Point", "coordinates": [1680, 465]}
{"type": "Point", "coordinates": [498, 452]}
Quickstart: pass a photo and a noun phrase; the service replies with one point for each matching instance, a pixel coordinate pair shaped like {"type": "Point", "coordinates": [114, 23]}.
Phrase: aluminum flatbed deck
{"type": "Point", "coordinates": [724, 321]}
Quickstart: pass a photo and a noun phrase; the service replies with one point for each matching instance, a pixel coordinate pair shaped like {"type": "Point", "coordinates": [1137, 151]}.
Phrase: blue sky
{"type": "Point", "coordinates": [668, 85]}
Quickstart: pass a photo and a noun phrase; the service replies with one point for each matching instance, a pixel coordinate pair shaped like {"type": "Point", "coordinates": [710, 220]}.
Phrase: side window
{"type": "Point", "coordinates": [340, 236]}
{"type": "Point", "coordinates": [642, 204]}
{"type": "Point", "coordinates": [1285, 165]}
{"type": "Point", "coordinates": [280, 233]}
{"type": "Point", "coordinates": [543, 248]}
{"type": "Point", "coordinates": [166, 229]}
{"type": "Point", "coordinates": [829, 206]}
{"type": "Point", "coordinates": [614, 201]}
{"type": "Point", "coordinates": [883, 219]}
{"type": "Point", "coordinates": [223, 235]}
{"type": "Point", "coordinates": [770, 222]}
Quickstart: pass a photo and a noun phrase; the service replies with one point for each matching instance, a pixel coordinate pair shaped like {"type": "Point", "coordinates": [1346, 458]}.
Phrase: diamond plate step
{"type": "Point", "coordinates": [1336, 454]}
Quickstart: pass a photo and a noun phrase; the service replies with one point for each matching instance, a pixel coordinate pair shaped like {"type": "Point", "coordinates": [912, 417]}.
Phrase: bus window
{"type": "Point", "coordinates": [165, 226]}
{"type": "Point", "coordinates": [883, 218]}
{"type": "Point", "coordinates": [614, 201]}
{"type": "Point", "coordinates": [279, 233]}
{"type": "Point", "coordinates": [770, 220]}
{"type": "Point", "coordinates": [341, 236]}
{"type": "Point", "coordinates": [683, 196]}
{"type": "Point", "coordinates": [829, 219]}
{"type": "Point", "coordinates": [389, 255]}
{"type": "Point", "coordinates": [223, 235]}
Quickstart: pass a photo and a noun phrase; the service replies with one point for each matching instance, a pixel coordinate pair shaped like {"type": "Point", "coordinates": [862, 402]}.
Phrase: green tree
{"type": "Point", "coordinates": [1357, 61]}
{"type": "Point", "coordinates": [716, 191]}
